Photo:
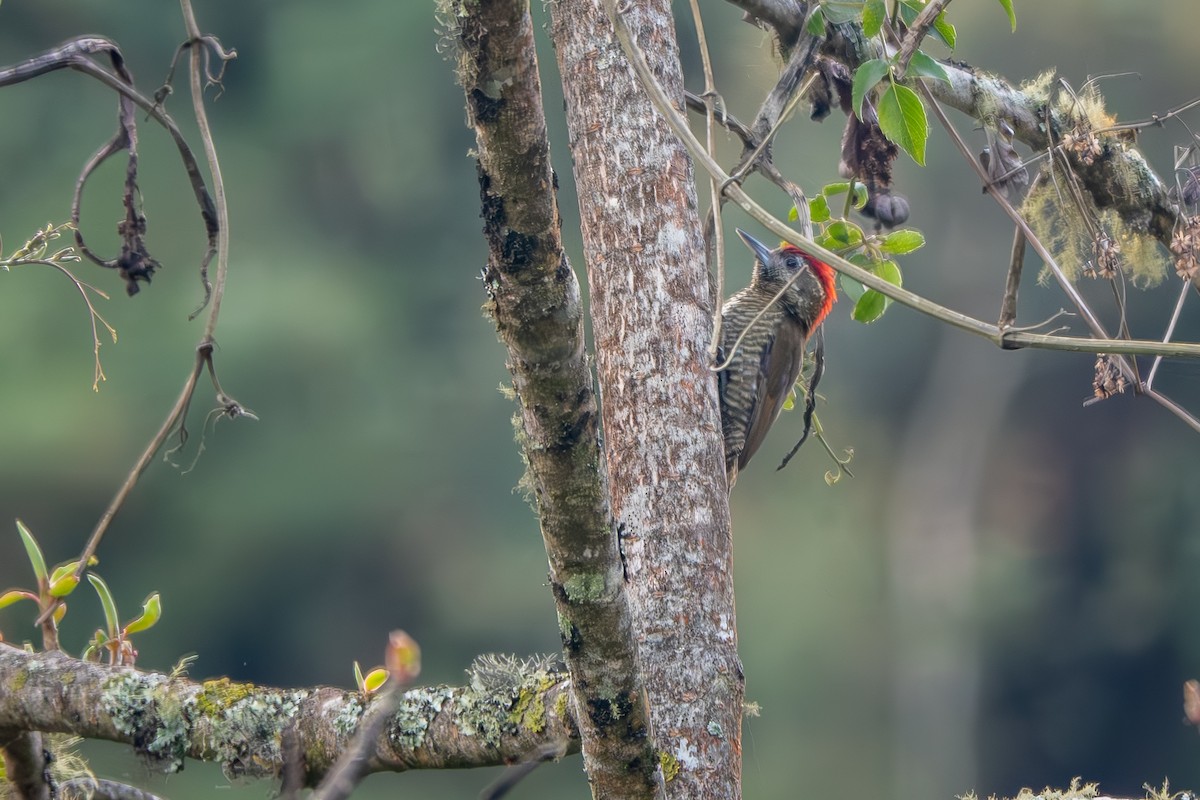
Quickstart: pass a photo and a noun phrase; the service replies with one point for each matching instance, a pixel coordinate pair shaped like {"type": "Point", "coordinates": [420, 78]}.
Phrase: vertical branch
{"type": "Point", "coordinates": [25, 765]}
{"type": "Point", "coordinates": [651, 316]}
{"type": "Point", "coordinates": [534, 299]}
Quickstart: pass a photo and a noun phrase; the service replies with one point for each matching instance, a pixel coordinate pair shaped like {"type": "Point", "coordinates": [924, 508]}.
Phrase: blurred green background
{"type": "Point", "coordinates": [1004, 594]}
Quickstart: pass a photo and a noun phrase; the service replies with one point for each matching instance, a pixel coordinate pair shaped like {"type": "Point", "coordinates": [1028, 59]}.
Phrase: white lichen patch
{"type": "Point", "coordinates": [685, 754]}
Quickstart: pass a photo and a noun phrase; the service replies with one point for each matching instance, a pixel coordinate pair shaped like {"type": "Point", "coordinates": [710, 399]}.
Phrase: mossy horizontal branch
{"type": "Point", "coordinates": [240, 725]}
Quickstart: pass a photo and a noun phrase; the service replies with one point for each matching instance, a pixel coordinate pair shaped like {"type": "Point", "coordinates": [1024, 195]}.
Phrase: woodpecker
{"type": "Point", "coordinates": [764, 366]}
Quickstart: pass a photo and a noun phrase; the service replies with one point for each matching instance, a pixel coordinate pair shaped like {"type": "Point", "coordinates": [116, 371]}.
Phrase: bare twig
{"type": "Point", "coordinates": [134, 262]}
{"type": "Point", "coordinates": [765, 166]}
{"type": "Point", "coordinates": [1008, 306]}
{"type": "Point", "coordinates": [403, 659]}
{"type": "Point", "coordinates": [1007, 340]}
{"type": "Point", "coordinates": [916, 32]}
{"type": "Point", "coordinates": [216, 219]}
{"type": "Point", "coordinates": [214, 165]}
{"type": "Point", "coordinates": [716, 247]}
{"type": "Point", "coordinates": [754, 321]}
{"type": "Point", "coordinates": [174, 417]}
{"type": "Point", "coordinates": [1104, 343]}
{"type": "Point", "coordinates": [551, 751]}
{"type": "Point", "coordinates": [1183, 294]}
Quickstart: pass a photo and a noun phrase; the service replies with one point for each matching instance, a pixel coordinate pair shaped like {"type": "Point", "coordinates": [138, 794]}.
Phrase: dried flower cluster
{"type": "Point", "coordinates": [1084, 144]}
{"type": "Point", "coordinates": [1183, 247]}
{"type": "Point", "coordinates": [1108, 380]}
{"type": "Point", "coordinates": [1106, 257]}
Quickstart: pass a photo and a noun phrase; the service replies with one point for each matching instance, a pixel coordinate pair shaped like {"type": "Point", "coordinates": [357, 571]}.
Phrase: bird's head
{"type": "Point", "coordinates": [811, 294]}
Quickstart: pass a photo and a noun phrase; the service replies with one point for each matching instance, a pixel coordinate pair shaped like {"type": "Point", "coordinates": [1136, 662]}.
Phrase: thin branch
{"type": "Point", "coordinates": [1184, 291]}
{"type": "Point", "coordinates": [551, 751]}
{"type": "Point", "coordinates": [196, 39]}
{"type": "Point", "coordinates": [1008, 306]}
{"type": "Point", "coordinates": [174, 417]}
{"type": "Point", "coordinates": [1155, 120]}
{"type": "Point", "coordinates": [1003, 339]}
{"type": "Point", "coordinates": [216, 222]}
{"type": "Point", "coordinates": [916, 32]}
{"type": "Point", "coordinates": [765, 166]}
{"type": "Point", "coordinates": [74, 55]}
{"type": "Point", "coordinates": [780, 102]}
{"type": "Point", "coordinates": [717, 245]}
{"type": "Point", "coordinates": [754, 321]}
{"type": "Point", "coordinates": [403, 659]}
{"type": "Point", "coordinates": [1109, 346]}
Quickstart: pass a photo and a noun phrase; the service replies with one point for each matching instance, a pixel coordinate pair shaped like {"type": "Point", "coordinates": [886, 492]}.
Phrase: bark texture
{"type": "Point", "coordinates": [651, 316]}
{"type": "Point", "coordinates": [534, 299]}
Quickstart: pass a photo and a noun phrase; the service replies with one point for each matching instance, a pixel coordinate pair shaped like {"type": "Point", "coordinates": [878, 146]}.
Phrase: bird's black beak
{"type": "Point", "coordinates": [761, 251]}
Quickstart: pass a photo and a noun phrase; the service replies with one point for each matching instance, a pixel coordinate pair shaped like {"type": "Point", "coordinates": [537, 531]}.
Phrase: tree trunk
{"type": "Point", "coordinates": [534, 300]}
{"type": "Point", "coordinates": [651, 315]}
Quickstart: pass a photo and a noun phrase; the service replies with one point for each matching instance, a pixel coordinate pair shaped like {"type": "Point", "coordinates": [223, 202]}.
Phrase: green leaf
{"type": "Point", "coordinates": [842, 10]}
{"type": "Point", "coordinates": [945, 30]}
{"type": "Point", "coordinates": [840, 234]}
{"type": "Point", "coordinates": [816, 24]}
{"type": "Point", "coordinates": [874, 13]}
{"type": "Point", "coordinates": [866, 77]}
{"type": "Point", "coordinates": [908, 11]}
{"type": "Point", "coordinates": [925, 67]}
{"type": "Point", "coordinates": [852, 288]}
{"type": "Point", "coordinates": [111, 622]}
{"type": "Point", "coordinates": [872, 304]}
{"type": "Point", "coordinates": [890, 271]}
{"type": "Point", "coordinates": [98, 642]}
{"type": "Point", "coordinates": [818, 209]}
{"type": "Point", "coordinates": [375, 678]}
{"type": "Point", "coordinates": [358, 677]}
{"type": "Point", "coordinates": [33, 551]}
{"type": "Point", "coordinates": [63, 580]}
{"type": "Point", "coordinates": [902, 119]}
{"type": "Point", "coordinates": [860, 191]}
{"type": "Point", "coordinates": [13, 595]}
{"type": "Point", "coordinates": [793, 214]}
{"type": "Point", "coordinates": [869, 307]}
{"type": "Point", "coordinates": [151, 612]}
{"type": "Point", "coordinates": [902, 242]}
{"type": "Point", "coordinates": [1012, 15]}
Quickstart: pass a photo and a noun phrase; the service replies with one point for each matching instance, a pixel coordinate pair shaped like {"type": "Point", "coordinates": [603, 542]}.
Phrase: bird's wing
{"type": "Point", "coordinates": [779, 367]}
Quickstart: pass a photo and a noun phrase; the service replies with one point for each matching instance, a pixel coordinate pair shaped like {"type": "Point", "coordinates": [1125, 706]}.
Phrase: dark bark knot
{"type": "Point", "coordinates": [517, 250]}
{"type": "Point", "coordinates": [485, 110]}
{"type": "Point", "coordinates": [608, 711]}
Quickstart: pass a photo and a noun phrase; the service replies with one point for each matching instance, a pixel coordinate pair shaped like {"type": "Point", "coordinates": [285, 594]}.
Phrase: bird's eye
{"type": "Point", "coordinates": [791, 262]}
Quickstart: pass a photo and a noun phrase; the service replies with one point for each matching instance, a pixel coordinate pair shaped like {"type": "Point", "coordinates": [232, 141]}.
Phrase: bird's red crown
{"type": "Point", "coordinates": [825, 276]}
